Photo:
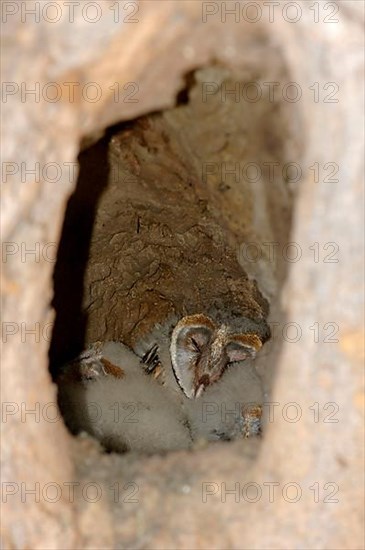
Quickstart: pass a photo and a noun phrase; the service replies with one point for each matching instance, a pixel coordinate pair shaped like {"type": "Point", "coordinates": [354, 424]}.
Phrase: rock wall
{"type": "Point", "coordinates": [321, 131]}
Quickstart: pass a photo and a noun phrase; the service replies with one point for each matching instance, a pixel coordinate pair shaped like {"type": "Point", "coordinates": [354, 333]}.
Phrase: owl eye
{"type": "Point", "coordinates": [197, 338]}
{"type": "Point", "coordinates": [189, 338]}
{"type": "Point", "coordinates": [238, 352]}
{"type": "Point", "coordinates": [195, 345]}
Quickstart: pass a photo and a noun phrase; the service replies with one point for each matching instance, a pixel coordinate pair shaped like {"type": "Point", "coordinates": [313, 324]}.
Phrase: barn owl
{"type": "Point", "coordinates": [208, 366]}
{"type": "Point", "coordinates": [194, 379]}
{"type": "Point", "coordinates": [194, 352]}
{"type": "Point", "coordinates": [106, 393]}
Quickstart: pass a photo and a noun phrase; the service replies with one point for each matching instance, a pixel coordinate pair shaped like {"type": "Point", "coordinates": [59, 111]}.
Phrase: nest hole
{"type": "Point", "coordinates": [177, 211]}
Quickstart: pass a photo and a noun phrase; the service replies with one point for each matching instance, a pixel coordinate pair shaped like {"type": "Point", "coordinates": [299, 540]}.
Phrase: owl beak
{"type": "Point", "coordinates": [203, 382]}
{"type": "Point", "coordinates": [198, 391]}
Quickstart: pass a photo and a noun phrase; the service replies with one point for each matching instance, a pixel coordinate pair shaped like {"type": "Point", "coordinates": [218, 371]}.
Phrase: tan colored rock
{"type": "Point", "coordinates": [170, 39]}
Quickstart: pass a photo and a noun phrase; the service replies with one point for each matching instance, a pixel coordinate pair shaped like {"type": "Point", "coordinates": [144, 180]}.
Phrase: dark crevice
{"type": "Point", "coordinates": [68, 337]}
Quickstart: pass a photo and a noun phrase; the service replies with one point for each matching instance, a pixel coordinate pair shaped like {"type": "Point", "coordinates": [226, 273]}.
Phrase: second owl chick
{"type": "Point", "coordinates": [115, 401]}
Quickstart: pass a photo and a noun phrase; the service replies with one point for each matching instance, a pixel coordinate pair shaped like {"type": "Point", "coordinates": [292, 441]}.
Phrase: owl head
{"type": "Point", "coordinates": [201, 350]}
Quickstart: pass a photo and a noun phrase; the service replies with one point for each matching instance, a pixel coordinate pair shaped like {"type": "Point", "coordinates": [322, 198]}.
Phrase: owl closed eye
{"type": "Point", "coordinates": [201, 350]}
